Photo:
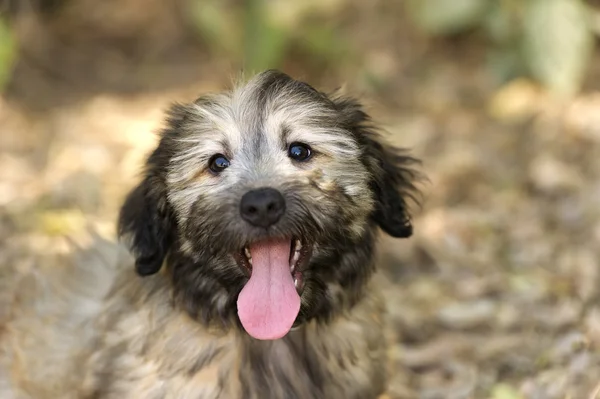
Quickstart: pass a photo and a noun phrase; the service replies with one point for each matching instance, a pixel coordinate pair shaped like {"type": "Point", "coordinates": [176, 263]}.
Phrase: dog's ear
{"type": "Point", "coordinates": [145, 223]}
{"type": "Point", "coordinates": [393, 176]}
{"type": "Point", "coordinates": [392, 184]}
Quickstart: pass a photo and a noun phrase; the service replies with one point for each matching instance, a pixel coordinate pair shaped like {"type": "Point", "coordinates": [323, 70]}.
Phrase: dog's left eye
{"type": "Point", "coordinates": [299, 151]}
{"type": "Point", "coordinates": [218, 163]}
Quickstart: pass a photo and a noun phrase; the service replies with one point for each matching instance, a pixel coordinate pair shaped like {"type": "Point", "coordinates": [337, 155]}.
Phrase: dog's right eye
{"type": "Point", "coordinates": [299, 151]}
{"type": "Point", "coordinates": [218, 163]}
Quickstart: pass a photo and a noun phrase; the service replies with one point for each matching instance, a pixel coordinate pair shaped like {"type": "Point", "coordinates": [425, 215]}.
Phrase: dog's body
{"type": "Point", "coordinates": [72, 343]}
{"type": "Point", "coordinates": [254, 227]}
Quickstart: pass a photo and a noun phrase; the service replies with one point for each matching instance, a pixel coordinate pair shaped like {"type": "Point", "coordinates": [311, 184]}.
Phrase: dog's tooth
{"type": "Point", "coordinates": [296, 282]}
{"type": "Point", "coordinates": [250, 261]}
{"type": "Point", "coordinates": [292, 267]}
{"type": "Point", "coordinates": [247, 253]}
{"type": "Point", "coordinates": [295, 258]}
{"type": "Point", "coordinates": [298, 245]}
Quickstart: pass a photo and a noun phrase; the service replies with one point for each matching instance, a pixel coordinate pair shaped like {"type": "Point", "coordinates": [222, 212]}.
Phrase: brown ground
{"type": "Point", "coordinates": [496, 295]}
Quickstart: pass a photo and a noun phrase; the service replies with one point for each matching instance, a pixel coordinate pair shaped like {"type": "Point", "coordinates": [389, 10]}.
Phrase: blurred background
{"type": "Point", "coordinates": [496, 295]}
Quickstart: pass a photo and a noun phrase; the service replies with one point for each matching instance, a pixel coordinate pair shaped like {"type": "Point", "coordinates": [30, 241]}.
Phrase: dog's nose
{"type": "Point", "coordinates": [262, 207]}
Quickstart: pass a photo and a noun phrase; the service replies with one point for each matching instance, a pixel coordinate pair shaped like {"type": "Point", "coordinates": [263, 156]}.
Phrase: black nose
{"type": "Point", "coordinates": [262, 207]}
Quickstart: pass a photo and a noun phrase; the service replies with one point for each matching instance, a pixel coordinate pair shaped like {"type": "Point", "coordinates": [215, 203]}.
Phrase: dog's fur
{"type": "Point", "coordinates": [105, 332]}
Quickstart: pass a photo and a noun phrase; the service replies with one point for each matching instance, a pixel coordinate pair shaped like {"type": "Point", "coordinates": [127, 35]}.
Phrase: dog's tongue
{"type": "Point", "coordinates": [269, 304]}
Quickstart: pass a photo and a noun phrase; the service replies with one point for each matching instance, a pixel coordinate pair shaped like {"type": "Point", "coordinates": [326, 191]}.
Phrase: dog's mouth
{"type": "Point", "coordinates": [298, 257]}
{"type": "Point", "coordinates": [269, 303]}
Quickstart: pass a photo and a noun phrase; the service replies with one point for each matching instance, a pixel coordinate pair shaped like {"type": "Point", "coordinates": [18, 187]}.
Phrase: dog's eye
{"type": "Point", "coordinates": [218, 163]}
{"type": "Point", "coordinates": [299, 152]}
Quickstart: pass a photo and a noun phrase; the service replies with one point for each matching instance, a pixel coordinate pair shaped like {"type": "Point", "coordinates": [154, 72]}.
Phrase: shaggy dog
{"type": "Point", "coordinates": [253, 230]}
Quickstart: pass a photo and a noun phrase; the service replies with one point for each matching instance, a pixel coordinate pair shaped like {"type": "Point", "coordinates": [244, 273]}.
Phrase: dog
{"type": "Point", "coordinates": [248, 265]}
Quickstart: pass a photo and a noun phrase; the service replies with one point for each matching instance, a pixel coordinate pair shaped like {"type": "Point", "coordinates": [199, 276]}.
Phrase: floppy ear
{"type": "Point", "coordinates": [392, 183]}
{"type": "Point", "coordinates": [392, 171]}
{"type": "Point", "coordinates": [145, 222]}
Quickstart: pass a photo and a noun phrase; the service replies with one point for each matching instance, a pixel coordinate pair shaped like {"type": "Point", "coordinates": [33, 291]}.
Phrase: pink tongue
{"type": "Point", "coordinates": [269, 304]}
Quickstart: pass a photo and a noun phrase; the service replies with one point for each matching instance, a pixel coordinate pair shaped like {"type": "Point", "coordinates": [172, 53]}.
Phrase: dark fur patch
{"type": "Point", "coordinates": [146, 217]}
{"type": "Point", "coordinates": [392, 171]}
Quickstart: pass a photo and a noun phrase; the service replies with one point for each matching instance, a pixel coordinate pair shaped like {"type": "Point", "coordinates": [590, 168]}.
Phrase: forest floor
{"type": "Point", "coordinates": [497, 295]}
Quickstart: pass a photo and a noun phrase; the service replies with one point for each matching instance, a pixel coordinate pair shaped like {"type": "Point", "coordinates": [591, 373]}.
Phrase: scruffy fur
{"type": "Point", "coordinates": [168, 327]}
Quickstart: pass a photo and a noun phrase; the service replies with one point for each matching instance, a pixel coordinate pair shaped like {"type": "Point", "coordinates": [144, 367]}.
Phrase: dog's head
{"type": "Point", "coordinates": [264, 202]}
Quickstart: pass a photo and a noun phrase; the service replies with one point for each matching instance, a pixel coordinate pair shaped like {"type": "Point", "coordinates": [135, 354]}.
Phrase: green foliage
{"type": "Point", "coordinates": [446, 17]}
{"type": "Point", "coordinates": [261, 32]}
{"type": "Point", "coordinates": [264, 42]}
{"type": "Point", "coordinates": [558, 41]}
{"type": "Point", "coordinates": [7, 52]}
{"type": "Point", "coordinates": [215, 25]}
{"type": "Point", "coordinates": [551, 40]}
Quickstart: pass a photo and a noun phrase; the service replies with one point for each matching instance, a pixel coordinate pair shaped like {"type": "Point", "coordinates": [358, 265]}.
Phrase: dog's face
{"type": "Point", "coordinates": [264, 202]}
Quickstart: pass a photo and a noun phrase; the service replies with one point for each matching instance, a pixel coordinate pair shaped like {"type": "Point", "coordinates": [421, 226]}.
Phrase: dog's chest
{"type": "Point", "coordinates": [180, 360]}
{"type": "Point", "coordinates": [239, 369]}
{"type": "Point", "coordinates": [150, 350]}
